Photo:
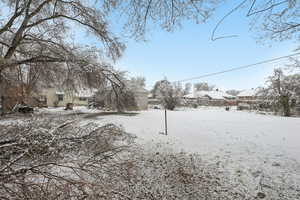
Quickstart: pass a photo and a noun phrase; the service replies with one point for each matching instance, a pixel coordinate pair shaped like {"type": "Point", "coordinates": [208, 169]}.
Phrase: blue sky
{"type": "Point", "coordinates": [189, 52]}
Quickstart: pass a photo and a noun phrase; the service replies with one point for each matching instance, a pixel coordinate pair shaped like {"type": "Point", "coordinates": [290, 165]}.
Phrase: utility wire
{"type": "Point", "coordinates": [237, 68]}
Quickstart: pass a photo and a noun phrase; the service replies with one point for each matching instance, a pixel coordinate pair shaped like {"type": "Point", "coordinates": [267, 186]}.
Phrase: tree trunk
{"type": "Point", "coordinates": [2, 106]}
{"type": "Point", "coordinates": [298, 106]}
{"type": "Point", "coordinates": [285, 103]}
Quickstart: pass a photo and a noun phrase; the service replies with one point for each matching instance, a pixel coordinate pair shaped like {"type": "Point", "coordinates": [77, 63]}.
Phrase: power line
{"type": "Point", "coordinates": [237, 68]}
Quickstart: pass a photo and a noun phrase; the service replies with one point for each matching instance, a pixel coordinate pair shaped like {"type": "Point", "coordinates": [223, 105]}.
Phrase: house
{"type": "Point", "coordinates": [210, 98]}
{"type": "Point", "coordinates": [217, 98]}
{"type": "Point", "coordinates": [252, 96]}
{"type": "Point", "coordinates": [195, 99]}
{"type": "Point", "coordinates": [53, 97]}
{"type": "Point", "coordinates": [248, 95]}
{"type": "Point", "coordinates": [215, 95]}
{"type": "Point", "coordinates": [251, 99]}
{"type": "Point", "coordinates": [191, 96]}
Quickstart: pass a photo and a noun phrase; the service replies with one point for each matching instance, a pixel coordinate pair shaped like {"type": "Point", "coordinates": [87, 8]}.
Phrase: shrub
{"type": "Point", "coordinates": [54, 158]}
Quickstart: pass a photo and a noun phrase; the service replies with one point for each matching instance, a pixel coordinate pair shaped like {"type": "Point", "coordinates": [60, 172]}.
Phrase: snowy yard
{"type": "Point", "coordinates": [210, 130]}
{"type": "Point", "coordinates": [258, 153]}
{"type": "Point", "coordinates": [207, 130]}
{"type": "Point", "coordinates": [249, 146]}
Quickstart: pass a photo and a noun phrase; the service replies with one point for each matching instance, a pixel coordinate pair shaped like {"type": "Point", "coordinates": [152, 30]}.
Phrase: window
{"type": "Point", "coordinates": [42, 98]}
{"type": "Point", "coordinates": [82, 98]}
{"type": "Point", "coordinates": [60, 97]}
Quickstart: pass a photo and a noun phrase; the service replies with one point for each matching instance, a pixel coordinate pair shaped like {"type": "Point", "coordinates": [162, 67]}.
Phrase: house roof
{"type": "Point", "coordinates": [189, 96]}
{"type": "Point", "coordinates": [86, 93]}
{"type": "Point", "coordinates": [215, 94]}
{"type": "Point", "coordinates": [219, 95]}
{"type": "Point", "coordinates": [150, 95]}
{"type": "Point", "coordinates": [248, 93]}
{"type": "Point", "coordinates": [59, 93]}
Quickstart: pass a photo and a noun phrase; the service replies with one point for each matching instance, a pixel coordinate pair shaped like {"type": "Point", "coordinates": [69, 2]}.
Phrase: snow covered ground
{"type": "Point", "coordinates": [257, 151]}
{"type": "Point", "coordinates": [208, 130]}
{"type": "Point", "coordinates": [251, 147]}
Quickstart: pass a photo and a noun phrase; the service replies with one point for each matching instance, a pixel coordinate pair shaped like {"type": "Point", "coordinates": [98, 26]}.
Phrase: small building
{"type": "Point", "coordinates": [54, 97]}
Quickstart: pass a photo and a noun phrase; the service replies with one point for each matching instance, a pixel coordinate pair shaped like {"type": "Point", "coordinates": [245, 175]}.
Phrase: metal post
{"type": "Point", "coordinates": [166, 123]}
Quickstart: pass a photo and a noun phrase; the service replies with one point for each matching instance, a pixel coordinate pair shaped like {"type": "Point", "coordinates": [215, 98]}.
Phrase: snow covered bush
{"type": "Point", "coordinates": [54, 158]}
{"type": "Point", "coordinates": [117, 98]}
{"type": "Point", "coordinates": [282, 92]}
{"type": "Point", "coordinates": [169, 94]}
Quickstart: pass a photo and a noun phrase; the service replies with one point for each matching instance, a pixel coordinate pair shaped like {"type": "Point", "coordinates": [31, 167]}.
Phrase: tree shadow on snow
{"type": "Point", "coordinates": [93, 115]}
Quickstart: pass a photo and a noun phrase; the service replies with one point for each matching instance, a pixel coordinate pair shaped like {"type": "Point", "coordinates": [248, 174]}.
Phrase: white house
{"type": "Point", "coordinates": [56, 97]}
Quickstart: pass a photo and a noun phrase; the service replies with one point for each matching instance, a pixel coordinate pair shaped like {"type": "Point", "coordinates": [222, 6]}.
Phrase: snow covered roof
{"type": "Point", "coordinates": [189, 96]}
{"type": "Point", "coordinates": [211, 94]}
{"type": "Point", "coordinates": [86, 93]}
{"type": "Point", "coordinates": [248, 93]}
{"type": "Point", "coordinates": [59, 93]}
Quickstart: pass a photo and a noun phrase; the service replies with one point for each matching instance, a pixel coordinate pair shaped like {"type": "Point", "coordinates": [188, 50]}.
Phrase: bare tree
{"type": "Point", "coordinates": [140, 16]}
{"type": "Point", "coordinates": [44, 24]}
{"type": "Point", "coordinates": [275, 19]}
{"type": "Point", "coordinates": [282, 92]}
{"type": "Point", "coordinates": [233, 92]}
{"type": "Point", "coordinates": [35, 31]}
{"type": "Point", "coordinates": [279, 19]}
{"type": "Point", "coordinates": [117, 98]}
{"type": "Point", "coordinates": [203, 86]}
{"type": "Point", "coordinates": [138, 82]}
{"type": "Point", "coordinates": [120, 95]}
{"type": "Point", "coordinates": [35, 35]}
{"type": "Point", "coordinates": [169, 94]}
{"type": "Point", "coordinates": [35, 45]}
